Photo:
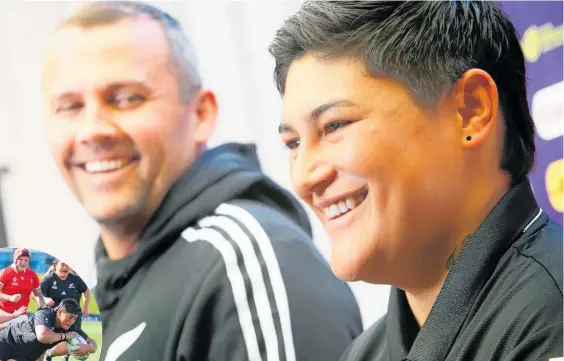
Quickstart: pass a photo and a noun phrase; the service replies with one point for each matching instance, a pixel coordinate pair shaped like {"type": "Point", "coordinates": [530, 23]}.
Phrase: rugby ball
{"type": "Point", "coordinates": [75, 343]}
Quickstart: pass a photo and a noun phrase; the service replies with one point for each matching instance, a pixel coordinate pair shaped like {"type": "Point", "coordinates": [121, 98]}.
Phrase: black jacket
{"type": "Point", "coordinates": [501, 301]}
{"type": "Point", "coordinates": [225, 271]}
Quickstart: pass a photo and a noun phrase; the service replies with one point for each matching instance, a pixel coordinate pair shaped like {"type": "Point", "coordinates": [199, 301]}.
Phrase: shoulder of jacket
{"type": "Point", "coordinates": [369, 343]}
{"type": "Point", "coordinates": [253, 218]}
{"type": "Point", "coordinates": [235, 230]}
{"type": "Point", "coordinates": [543, 251]}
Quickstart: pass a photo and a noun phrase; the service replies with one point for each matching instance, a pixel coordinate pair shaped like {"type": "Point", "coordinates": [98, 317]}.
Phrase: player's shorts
{"type": "Point", "coordinates": [7, 352]}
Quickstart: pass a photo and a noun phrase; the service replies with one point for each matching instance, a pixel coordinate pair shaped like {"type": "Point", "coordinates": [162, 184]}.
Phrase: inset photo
{"type": "Point", "coordinates": [47, 312]}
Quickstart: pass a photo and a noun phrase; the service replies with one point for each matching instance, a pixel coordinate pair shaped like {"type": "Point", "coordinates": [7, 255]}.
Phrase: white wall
{"type": "Point", "coordinates": [231, 39]}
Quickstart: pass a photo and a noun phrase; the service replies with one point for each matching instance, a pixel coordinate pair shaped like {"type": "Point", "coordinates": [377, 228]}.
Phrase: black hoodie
{"type": "Point", "coordinates": [225, 271]}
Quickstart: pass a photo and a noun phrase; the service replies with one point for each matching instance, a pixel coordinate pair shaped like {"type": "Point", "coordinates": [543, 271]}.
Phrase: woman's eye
{"type": "Point", "coordinates": [333, 126]}
{"type": "Point", "coordinates": [292, 144]}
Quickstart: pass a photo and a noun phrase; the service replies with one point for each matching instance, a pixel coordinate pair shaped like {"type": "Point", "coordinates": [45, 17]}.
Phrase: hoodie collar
{"type": "Point", "coordinates": [220, 175]}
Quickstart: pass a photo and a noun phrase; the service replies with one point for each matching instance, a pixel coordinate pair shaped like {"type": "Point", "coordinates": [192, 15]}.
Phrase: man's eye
{"type": "Point", "coordinates": [126, 100]}
{"type": "Point", "coordinates": [334, 126]}
{"type": "Point", "coordinates": [69, 107]}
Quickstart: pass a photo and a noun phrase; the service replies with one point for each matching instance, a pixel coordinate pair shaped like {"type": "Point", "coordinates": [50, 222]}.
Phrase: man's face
{"type": "Point", "coordinates": [378, 170]}
{"type": "Point", "coordinates": [119, 131]}
{"type": "Point", "coordinates": [22, 263]}
{"type": "Point", "coordinates": [66, 320]}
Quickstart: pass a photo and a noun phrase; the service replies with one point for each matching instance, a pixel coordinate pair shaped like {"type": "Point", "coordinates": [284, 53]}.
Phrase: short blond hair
{"type": "Point", "coordinates": [182, 53]}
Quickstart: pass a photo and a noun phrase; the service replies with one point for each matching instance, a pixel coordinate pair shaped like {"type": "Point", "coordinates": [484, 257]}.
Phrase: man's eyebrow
{"type": "Point", "coordinates": [123, 84]}
{"type": "Point", "coordinates": [318, 112]}
{"type": "Point", "coordinates": [64, 95]}
{"type": "Point", "coordinates": [112, 86]}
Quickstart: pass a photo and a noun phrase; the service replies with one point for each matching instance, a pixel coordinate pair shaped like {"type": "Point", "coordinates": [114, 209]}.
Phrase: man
{"type": "Point", "coordinates": [411, 139]}
{"type": "Point", "coordinates": [27, 340]}
{"type": "Point", "coordinates": [201, 256]}
{"type": "Point", "coordinates": [17, 283]}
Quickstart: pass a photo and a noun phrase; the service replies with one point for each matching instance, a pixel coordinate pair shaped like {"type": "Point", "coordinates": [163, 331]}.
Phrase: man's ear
{"type": "Point", "coordinates": [204, 110]}
{"type": "Point", "coordinates": [477, 105]}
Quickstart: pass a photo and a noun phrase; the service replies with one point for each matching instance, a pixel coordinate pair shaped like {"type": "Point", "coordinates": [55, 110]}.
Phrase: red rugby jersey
{"type": "Point", "coordinates": [15, 282]}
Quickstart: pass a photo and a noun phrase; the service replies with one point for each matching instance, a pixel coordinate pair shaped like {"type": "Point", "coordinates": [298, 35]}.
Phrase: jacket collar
{"type": "Point", "coordinates": [509, 218]}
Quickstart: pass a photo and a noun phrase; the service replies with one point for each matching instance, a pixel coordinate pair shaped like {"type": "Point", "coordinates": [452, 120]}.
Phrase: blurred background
{"type": "Point", "coordinates": [232, 40]}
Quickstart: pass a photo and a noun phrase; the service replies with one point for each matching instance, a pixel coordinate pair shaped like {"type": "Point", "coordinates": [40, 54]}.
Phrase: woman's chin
{"type": "Point", "coordinates": [345, 268]}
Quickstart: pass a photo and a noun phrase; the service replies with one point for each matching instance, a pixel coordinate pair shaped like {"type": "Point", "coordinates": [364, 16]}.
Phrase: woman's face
{"type": "Point", "coordinates": [66, 320]}
{"type": "Point", "coordinates": [62, 269]}
{"type": "Point", "coordinates": [22, 263]}
{"type": "Point", "coordinates": [378, 170]}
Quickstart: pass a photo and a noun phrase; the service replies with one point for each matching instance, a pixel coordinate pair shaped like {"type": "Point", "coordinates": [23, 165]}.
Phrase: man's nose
{"type": "Point", "coordinates": [98, 126]}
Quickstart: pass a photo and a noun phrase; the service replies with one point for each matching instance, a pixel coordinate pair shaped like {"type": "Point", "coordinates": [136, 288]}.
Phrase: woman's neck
{"type": "Point", "coordinates": [62, 277]}
{"type": "Point", "coordinates": [481, 203]}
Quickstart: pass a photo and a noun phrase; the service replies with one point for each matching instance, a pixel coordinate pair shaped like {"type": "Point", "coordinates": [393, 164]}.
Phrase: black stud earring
{"type": "Point", "coordinates": [468, 138]}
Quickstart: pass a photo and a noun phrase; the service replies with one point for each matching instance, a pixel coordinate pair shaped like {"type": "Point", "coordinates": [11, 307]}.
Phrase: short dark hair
{"type": "Point", "coordinates": [428, 46]}
{"type": "Point", "coordinates": [70, 306]}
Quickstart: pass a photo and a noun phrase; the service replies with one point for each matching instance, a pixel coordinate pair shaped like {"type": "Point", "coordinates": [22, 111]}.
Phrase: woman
{"type": "Point", "coordinates": [427, 193]}
{"type": "Point", "coordinates": [61, 282]}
